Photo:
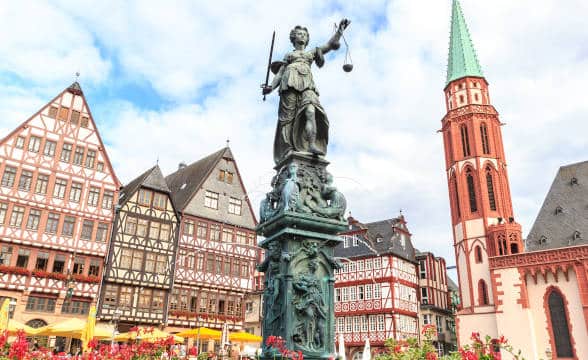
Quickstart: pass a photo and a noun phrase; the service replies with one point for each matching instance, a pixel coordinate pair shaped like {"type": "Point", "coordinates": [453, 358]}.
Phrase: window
{"type": "Point", "coordinates": [131, 225]}
{"type": "Point", "coordinates": [346, 241]}
{"type": "Point", "coordinates": [241, 237]}
{"type": "Point", "coordinates": [53, 111]}
{"type": "Point", "coordinates": [211, 199]}
{"type": "Point", "coordinates": [26, 178]}
{"type": "Point", "coordinates": [338, 295]}
{"type": "Point", "coordinates": [6, 255]}
{"type": "Point", "coordinates": [161, 264]}
{"type": "Point", "coordinates": [352, 293]}
{"type": "Point", "coordinates": [9, 176]}
{"type": "Point", "coordinates": [424, 295]}
{"type": "Point", "coordinates": [93, 196]}
{"type": "Point", "coordinates": [164, 232]}
{"type": "Point", "coordinates": [59, 188]}
{"type": "Point", "coordinates": [154, 230]}
{"type": "Point", "coordinates": [214, 232]}
{"type": "Point", "coordinates": [87, 228]}
{"type": "Point", "coordinates": [377, 291]}
{"type": "Point", "coordinates": [63, 113]}
{"type": "Point", "coordinates": [142, 226]}
{"type": "Point", "coordinates": [235, 206]}
{"type": "Point", "coordinates": [479, 258]}
{"type": "Point", "coordinates": [381, 323]}
{"type": "Point", "coordinates": [85, 121]}
{"type": "Point", "coordinates": [75, 307]}
{"type": "Point", "coordinates": [78, 266]}
{"type": "Point", "coordinates": [110, 295]}
{"type": "Point", "coordinates": [90, 159]}
{"type": "Point", "coordinates": [484, 135]}
{"type": "Point", "coordinates": [3, 210]}
{"type": "Point", "coordinates": [559, 324]}
{"type": "Point", "coordinates": [145, 197]}
{"type": "Point", "coordinates": [355, 240]}
{"type": "Point", "coordinates": [439, 322]}
{"type": "Point", "coordinates": [75, 117]}
{"type": "Point", "coordinates": [102, 232]}
{"type": "Point", "coordinates": [22, 260]}
{"type": "Point", "coordinates": [42, 261]}
{"type": "Point", "coordinates": [368, 291]}
{"type": "Point", "coordinates": [34, 143]}
{"type": "Point", "coordinates": [126, 296]}
{"type": "Point", "coordinates": [157, 302]}
{"type": "Point", "coordinates": [482, 293]}
{"type": "Point", "coordinates": [107, 199]}
{"type": "Point", "coordinates": [137, 261]}
{"type": "Point", "coordinates": [360, 292]}
{"type": "Point", "coordinates": [75, 193]}
{"type": "Point", "coordinates": [150, 262]}
{"type": "Point", "coordinates": [126, 258]}
{"type": "Point", "coordinates": [426, 319]}
{"type": "Point", "coordinates": [490, 185]}
{"type": "Point", "coordinates": [225, 176]}
{"type": "Point", "coordinates": [49, 149]}
{"type": "Point", "coordinates": [39, 303]}
{"type": "Point", "coordinates": [471, 191]}
{"type": "Point", "coordinates": [227, 235]}
{"type": "Point", "coordinates": [66, 152]}
{"type": "Point", "coordinates": [159, 200]}
{"type": "Point", "coordinates": [59, 263]}
{"type": "Point", "coordinates": [100, 166]}
{"type": "Point", "coordinates": [41, 185]}
{"type": "Point", "coordinates": [94, 268]}
{"type": "Point", "coordinates": [465, 142]}
{"type": "Point", "coordinates": [377, 263]}
{"type": "Point", "coordinates": [17, 216]}
{"type": "Point", "coordinates": [202, 228]}
{"type": "Point", "coordinates": [189, 228]}
{"type": "Point", "coordinates": [20, 142]}
{"type": "Point", "coordinates": [423, 269]}
{"type": "Point", "coordinates": [69, 223]}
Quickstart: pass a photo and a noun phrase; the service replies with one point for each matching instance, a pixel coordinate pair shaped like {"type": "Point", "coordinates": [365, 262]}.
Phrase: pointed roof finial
{"type": "Point", "coordinates": [77, 76]}
{"type": "Point", "coordinates": [462, 59]}
{"type": "Point", "coordinates": [228, 141]}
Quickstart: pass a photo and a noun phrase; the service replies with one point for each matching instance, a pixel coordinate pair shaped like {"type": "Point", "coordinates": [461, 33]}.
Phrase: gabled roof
{"type": "Point", "coordinates": [563, 218]}
{"type": "Point", "coordinates": [186, 181]}
{"type": "Point", "coordinates": [152, 179]}
{"type": "Point", "coordinates": [451, 285]}
{"type": "Point", "coordinates": [462, 59]}
{"type": "Point", "coordinates": [379, 238]}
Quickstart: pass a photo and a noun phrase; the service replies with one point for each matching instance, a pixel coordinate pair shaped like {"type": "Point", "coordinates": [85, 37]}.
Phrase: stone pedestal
{"type": "Point", "coordinates": [300, 220]}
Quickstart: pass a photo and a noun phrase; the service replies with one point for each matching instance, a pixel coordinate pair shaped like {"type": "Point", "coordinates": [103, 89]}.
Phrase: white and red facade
{"type": "Point", "coordinates": [56, 209]}
{"type": "Point", "coordinates": [376, 290]}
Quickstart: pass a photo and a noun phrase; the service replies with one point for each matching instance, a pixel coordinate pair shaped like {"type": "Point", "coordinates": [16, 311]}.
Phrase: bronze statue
{"type": "Point", "coordinates": [303, 125]}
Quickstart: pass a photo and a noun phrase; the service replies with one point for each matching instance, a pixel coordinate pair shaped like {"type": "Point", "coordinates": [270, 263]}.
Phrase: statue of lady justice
{"type": "Point", "coordinates": [302, 122]}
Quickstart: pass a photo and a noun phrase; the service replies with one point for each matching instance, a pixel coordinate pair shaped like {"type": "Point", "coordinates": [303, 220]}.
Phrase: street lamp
{"type": "Point", "coordinates": [115, 318]}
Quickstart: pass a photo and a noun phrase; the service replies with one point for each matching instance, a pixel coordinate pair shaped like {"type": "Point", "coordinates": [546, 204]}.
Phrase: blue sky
{"type": "Point", "coordinates": [174, 80]}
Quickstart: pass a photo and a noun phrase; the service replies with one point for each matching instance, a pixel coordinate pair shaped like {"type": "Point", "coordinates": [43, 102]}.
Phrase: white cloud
{"type": "Point", "coordinates": [384, 150]}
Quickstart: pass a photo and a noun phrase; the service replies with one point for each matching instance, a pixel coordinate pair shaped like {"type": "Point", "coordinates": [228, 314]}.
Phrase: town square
{"type": "Point", "coordinates": [386, 180]}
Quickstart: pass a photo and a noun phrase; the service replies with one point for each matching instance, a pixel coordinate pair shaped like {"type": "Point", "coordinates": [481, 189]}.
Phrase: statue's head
{"type": "Point", "coordinates": [299, 34]}
{"type": "Point", "coordinates": [292, 169]}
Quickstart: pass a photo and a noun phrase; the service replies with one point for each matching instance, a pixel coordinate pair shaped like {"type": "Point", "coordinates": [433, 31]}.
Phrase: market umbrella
{"type": "Point", "coordinates": [341, 354]}
{"type": "Point", "coordinates": [88, 332]}
{"type": "Point", "coordinates": [69, 328]}
{"type": "Point", "coordinates": [14, 326]}
{"type": "Point", "coordinates": [367, 354]}
{"type": "Point", "coordinates": [202, 333]}
{"type": "Point", "coordinates": [147, 334]}
{"type": "Point", "coordinates": [243, 337]}
{"type": "Point", "coordinates": [4, 314]}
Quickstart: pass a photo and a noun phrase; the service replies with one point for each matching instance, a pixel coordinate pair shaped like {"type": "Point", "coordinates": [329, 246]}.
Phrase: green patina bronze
{"type": "Point", "coordinates": [303, 213]}
{"type": "Point", "coordinates": [462, 55]}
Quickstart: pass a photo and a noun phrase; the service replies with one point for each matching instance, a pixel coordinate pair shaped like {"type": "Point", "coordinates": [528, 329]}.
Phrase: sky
{"type": "Point", "coordinates": [173, 80]}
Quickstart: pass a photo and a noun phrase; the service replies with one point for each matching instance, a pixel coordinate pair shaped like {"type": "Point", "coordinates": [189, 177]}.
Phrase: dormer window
{"type": "Point", "coordinates": [379, 239]}
{"type": "Point", "coordinates": [573, 181]}
{"type": "Point", "coordinates": [543, 240]}
{"type": "Point", "coordinates": [558, 210]}
{"type": "Point", "coordinates": [577, 235]}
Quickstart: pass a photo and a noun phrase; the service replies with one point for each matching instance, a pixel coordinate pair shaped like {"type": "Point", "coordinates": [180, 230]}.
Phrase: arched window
{"type": "Point", "coordinates": [471, 191]}
{"type": "Point", "coordinates": [456, 197]}
{"type": "Point", "coordinates": [502, 249]}
{"type": "Point", "coordinates": [490, 186]}
{"type": "Point", "coordinates": [485, 142]}
{"type": "Point", "coordinates": [560, 330]}
{"type": "Point", "coordinates": [482, 293]}
{"type": "Point", "coordinates": [465, 141]}
{"type": "Point", "coordinates": [478, 251]}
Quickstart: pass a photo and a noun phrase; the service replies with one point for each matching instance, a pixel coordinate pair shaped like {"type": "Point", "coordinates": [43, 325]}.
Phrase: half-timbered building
{"type": "Point", "coordinates": [217, 249]}
{"type": "Point", "coordinates": [57, 191]}
{"type": "Point", "coordinates": [435, 300]}
{"type": "Point", "coordinates": [376, 289]}
{"type": "Point", "coordinates": [139, 270]}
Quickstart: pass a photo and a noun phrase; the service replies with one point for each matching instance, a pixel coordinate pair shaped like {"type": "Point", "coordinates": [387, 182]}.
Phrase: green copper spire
{"type": "Point", "coordinates": [462, 56]}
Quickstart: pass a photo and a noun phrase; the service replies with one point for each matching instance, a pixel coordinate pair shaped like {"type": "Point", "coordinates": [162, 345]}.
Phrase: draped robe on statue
{"type": "Point", "coordinates": [297, 92]}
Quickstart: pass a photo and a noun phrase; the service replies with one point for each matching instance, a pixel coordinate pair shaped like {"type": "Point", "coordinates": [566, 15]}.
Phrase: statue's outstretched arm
{"type": "Point", "coordinates": [334, 41]}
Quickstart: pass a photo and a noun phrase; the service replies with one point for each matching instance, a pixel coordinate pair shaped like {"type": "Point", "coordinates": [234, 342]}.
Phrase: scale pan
{"type": "Point", "coordinates": [347, 67]}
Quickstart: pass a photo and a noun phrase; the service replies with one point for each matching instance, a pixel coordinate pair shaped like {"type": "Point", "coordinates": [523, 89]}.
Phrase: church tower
{"type": "Point", "coordinates": [482, 217]}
